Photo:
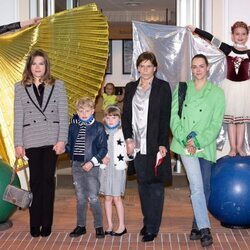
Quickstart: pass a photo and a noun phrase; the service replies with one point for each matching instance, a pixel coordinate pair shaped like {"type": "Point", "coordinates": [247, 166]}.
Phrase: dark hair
{"type": "Point", "coordinates": [27, 74]}
{"type": "Point", "coordinates": [240, 24]}
{"type": "Point", "coordinates": [146, 56]}
{"type": "Point", "coordinates": [201, 56]}
{"type": "Point", "coordinates": [111, 84]}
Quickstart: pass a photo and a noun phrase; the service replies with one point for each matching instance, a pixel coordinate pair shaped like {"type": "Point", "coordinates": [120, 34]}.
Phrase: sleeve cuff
{"type": "Point", "coordinates": [196, 143]}
{"type": "Point", "coordinates": [94, 161]}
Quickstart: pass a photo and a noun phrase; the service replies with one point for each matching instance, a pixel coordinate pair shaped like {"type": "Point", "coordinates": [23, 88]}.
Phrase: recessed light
{"type": "Point", "coordinates": [132, 4]}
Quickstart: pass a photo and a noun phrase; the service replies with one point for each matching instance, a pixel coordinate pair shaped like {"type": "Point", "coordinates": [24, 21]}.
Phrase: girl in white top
{"type": "Point", "coordinates": [113, 171]}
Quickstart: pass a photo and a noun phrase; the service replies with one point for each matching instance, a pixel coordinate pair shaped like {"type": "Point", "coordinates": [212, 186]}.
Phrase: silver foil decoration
{"type": "Point", "coordinates": [174, 48]}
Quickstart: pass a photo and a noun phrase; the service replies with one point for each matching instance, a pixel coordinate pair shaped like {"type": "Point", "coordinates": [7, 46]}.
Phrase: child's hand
{"type": "Point", "coordinates": [190, 28]}
{"type": "Point", "coordinates": [105, 160]}
{"type": "Point", "coordinates": [88, 166]}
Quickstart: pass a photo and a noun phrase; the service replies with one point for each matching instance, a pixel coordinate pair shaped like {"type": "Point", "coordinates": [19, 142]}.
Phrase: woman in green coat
{"type": "Point", "coordinates": [194, 139]}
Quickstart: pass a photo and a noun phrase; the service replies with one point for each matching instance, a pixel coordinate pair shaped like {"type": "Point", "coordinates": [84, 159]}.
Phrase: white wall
{"type": "Point", "coordinates": [13, 11]}
{"type": "Point", "coordinates": [225, 14]}
{"type": "Point", "coordinates": [9, 11]}
{"type": "Point", "coordinates": [117, 77]}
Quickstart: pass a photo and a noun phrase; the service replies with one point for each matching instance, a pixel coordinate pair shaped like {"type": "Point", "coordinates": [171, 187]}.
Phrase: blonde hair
{"type": "Point", "coordinates": [239, 24]}
{"type": "Point", "coordinates": [85, 102]}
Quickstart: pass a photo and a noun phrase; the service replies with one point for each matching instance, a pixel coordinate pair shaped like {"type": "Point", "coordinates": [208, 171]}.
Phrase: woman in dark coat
{"type": "Point", "coordinates": [145, 124]}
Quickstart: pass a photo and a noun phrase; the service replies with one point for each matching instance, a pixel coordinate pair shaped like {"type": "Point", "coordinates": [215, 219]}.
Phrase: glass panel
{"type": "Point", "coordinates": [161, 11]}
{"type": "Point", "coordinates": [60, 5]}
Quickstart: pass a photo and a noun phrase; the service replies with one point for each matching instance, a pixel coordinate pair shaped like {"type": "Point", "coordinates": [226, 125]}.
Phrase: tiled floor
{"type": "Point", "coordinates": [173, 234]}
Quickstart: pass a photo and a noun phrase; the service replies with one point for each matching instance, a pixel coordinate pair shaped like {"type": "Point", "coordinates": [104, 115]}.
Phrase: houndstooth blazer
{"type": "Point", "coordinates": [36, 126]}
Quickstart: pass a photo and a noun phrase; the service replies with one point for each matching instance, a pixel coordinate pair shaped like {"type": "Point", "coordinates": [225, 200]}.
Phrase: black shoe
{"type": "Point", "coordinates": [78, 231]}
{"type": "Point", "coordinates": [35, 231]}
{"type": "Point", "coordinates": [148, 237]}
{"type": "Point", "coordinates": [120, 234]}
{"type": "Point", "coordinates": [143, 231]}
{"type": "Point", "coordinates": [46, 231]}
{"type": "Point", "coordinates": [195, 234]}
{"type": "Point", "coordinates": [206, 237]}
{"type": "Point", "coordinates": [99, 233]}
{"type": "Point", "coordinates": [108, 232]}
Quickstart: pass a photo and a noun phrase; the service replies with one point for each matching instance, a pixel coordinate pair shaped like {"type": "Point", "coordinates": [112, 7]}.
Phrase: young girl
{"type": "Point", "coordinates": [113, 171]}
{"type": "Point", "coordinates": [236, 85]}
{"type": "Point", "coordinates": [109, 97]}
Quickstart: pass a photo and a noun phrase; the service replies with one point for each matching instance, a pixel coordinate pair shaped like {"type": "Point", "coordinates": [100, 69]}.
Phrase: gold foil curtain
{"type": "Point", "coordinates": [76, 41]}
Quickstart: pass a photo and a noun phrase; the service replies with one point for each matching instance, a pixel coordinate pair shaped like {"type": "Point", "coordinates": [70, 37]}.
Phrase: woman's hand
{"type": "Point", "coordinates": [88, 166]}
{"type": "Point", "coordinates": [190, 28]}
{"type": "Point", "coordinates": [163, 151]}
{"type": "Point", "coordinates": [19, 152]}
{"type": "Point", "coordinates": [191, 150]}
{"type": "Point", "coordinates": [130, 145]}
{"type": "Point", "coordinates": [190, 143]}
{"type": "Point", "coordinates": [59, 147]}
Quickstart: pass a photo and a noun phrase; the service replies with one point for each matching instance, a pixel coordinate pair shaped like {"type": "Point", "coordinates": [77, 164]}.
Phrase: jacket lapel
{"type": "Point", "coordinates": [32, 96]}
{"type": "Point", "coordinates": [153, 96]}
{"type": "Point", "coordinates": [48, 90]}
{"type": "Point", "coordinates": [30, 92]}
{"type": "Point", "coordinates": [134, 88]}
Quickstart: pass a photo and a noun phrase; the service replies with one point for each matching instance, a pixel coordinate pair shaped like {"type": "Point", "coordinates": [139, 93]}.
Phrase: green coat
{"type": "Point", "coordinates": [202, 113]}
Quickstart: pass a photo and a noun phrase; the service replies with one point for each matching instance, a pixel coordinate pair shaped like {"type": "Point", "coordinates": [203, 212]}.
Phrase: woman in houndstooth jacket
{"type": "Point", "coordinates": [40, 133]}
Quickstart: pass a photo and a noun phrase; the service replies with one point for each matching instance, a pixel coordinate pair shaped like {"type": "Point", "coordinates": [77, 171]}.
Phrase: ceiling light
{"type": "Point", "coordinates": [132, 4]}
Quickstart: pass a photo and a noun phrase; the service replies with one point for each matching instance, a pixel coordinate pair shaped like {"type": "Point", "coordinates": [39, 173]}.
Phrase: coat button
{"type": "Point", "coordinates": [45, 119]}
{"type": "Point", "coordinates": [200, 110]}
{"type": "Point", "coordinates": [34, 121]}
{"type": "Point", "coordinates": [185, 105]}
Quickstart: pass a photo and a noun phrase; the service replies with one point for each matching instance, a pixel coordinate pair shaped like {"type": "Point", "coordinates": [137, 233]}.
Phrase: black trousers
{"type": "Point", "coordinates": [42, 164]}
{"type": "Point", "coordinates": [151, 196]}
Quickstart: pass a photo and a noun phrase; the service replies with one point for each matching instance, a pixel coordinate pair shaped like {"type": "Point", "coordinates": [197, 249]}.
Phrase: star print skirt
{"type": "Point", "coordinates": [237, 96]}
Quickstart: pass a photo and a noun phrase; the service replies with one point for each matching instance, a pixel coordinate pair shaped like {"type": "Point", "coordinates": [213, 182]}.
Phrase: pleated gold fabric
{"type": "Point", "coordinates": [76, 41]}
